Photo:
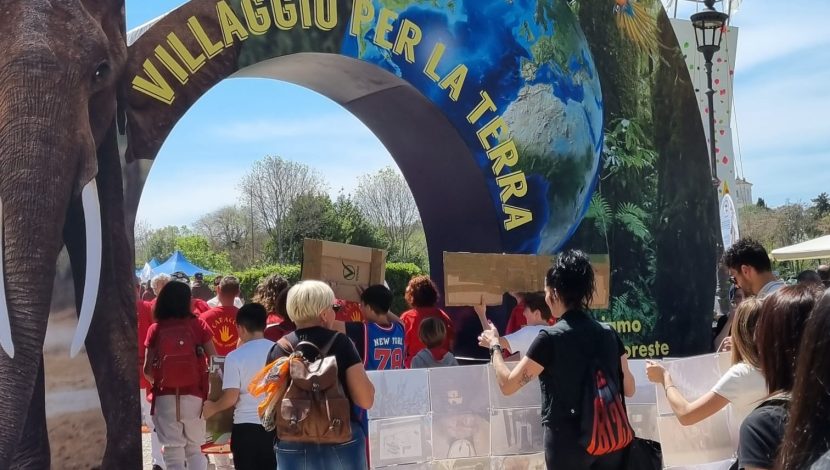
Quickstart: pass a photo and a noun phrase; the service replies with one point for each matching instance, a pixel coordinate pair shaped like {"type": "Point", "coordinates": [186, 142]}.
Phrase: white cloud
{"type": "Point", "coordinates": [333, 126]}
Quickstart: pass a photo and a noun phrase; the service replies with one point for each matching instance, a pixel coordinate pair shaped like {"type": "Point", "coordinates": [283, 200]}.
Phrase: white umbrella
{"type": "Point", "coordinates": [818, 248]}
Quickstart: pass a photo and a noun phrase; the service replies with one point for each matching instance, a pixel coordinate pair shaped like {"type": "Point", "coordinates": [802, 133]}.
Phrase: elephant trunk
{"type": "Point", "coordinates": [40, 162]}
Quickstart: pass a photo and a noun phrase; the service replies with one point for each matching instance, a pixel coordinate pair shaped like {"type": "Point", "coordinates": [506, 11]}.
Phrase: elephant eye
{"type": "Point", "coordinates": [102, 71]}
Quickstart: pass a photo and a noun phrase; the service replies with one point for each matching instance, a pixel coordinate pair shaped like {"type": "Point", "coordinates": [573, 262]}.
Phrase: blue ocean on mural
{"type": "Point", "coordinates": [533, 61]}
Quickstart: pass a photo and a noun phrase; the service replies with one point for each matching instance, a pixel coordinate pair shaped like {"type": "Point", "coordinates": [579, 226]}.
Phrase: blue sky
{"type": "Point", "coordinates": [782, 103]}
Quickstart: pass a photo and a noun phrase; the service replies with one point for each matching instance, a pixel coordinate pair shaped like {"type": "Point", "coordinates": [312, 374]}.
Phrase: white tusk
{"type": "Point", "coordinates": [5, 326]}
{"type": "Point", "coordinates": [92, 279]}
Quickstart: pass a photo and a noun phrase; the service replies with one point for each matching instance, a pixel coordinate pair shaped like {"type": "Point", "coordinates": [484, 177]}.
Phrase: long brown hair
{"type": "Point", "coordinates": [744, 322]}
{"type": "Point", "coordinates": [808, 430]}
{"type": "Point", "coordinates": [778, 333]}
{"type": "Point", "coordinates": [268, 293]}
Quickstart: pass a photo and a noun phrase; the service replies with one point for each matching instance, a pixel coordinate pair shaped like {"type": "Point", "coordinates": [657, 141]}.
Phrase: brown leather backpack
{"type": "Point", "coordinates": [314, 408]}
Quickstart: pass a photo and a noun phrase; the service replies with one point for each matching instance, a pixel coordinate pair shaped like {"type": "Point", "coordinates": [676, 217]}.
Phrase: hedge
{"type": "Point", "coordinates": [397, 276]}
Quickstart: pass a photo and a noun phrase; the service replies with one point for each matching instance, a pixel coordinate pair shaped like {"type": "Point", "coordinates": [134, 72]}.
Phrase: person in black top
{"type": "Point", "coordinates": [310, 307]}
{"type": "Point", "coordinates": [561, 356]}
{"type": "Point", "coordinates": [808, 430]}
{"type": "Point", "coordinates": [778, 336]}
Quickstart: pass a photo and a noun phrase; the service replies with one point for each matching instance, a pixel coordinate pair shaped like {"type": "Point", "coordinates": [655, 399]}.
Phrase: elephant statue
{"type": "Point", "coordinates": [61, 185]}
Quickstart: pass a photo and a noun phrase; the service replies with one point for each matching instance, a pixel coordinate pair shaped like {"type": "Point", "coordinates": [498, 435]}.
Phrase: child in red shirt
{"type": "Point", "coordinates": [422, 295]}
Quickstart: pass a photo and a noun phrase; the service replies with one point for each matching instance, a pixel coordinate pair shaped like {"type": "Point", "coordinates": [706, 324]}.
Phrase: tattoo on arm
{"type": "Point", "coordinates": [526, 378]}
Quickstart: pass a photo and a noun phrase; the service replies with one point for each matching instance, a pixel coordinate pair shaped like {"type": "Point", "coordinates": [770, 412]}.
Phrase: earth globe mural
{"type": "Point", "coordinates": [533, 60]}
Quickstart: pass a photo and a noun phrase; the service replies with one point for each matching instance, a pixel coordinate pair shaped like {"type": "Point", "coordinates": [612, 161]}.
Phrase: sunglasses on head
{"type": "Point", "coordinates": [336, 307]}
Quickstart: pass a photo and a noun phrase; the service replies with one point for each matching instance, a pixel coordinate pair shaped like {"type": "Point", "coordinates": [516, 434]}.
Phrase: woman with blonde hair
{"type": "Point", "coordinates": [310, 307]}
{"type": "Point", "coordinates": [742, 386]}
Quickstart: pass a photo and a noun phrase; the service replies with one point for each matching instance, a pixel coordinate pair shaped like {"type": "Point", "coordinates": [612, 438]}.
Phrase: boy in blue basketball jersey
{"type": "Point", "coordinates": [379, 340]}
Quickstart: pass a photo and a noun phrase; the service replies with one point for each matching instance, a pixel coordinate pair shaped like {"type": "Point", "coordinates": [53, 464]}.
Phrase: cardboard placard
{"type": "Point", "coordinates": [468, 276]}
{"type": "Point", "coordinates": [344, 267]}
{"type": "Point", "coordinates": [218, 427]}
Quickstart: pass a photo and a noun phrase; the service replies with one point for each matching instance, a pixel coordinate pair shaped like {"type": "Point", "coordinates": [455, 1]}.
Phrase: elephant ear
{"type": "Point", "coordinates": [110, 15]}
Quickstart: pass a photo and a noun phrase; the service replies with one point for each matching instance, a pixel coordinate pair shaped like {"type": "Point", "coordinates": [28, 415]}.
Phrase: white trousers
{"type": "Point", "coordinates": [181, 440]}
{"type": "Point", "coordinates": [147, 420]}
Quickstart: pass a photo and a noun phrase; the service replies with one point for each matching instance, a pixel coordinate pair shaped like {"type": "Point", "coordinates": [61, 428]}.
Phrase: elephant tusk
{"type": "Point", "coordinates": [5, 326]}
{"type": "Point", "coordinates": [92, 279]}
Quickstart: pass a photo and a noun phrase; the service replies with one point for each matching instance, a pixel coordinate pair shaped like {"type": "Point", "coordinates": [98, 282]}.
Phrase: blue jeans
{"type": "Point", "coordinates": [304, 456]}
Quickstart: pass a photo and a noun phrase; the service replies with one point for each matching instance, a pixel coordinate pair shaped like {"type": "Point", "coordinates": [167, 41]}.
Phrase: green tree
{"type": "Point", "coordinates": [316, 216]}
{"type": "Point", "coordinates": [307, 217]}
{"type": "Point", "coordinates": [198, 251]}
{"type": "Point", "coordinates": [271, 187]}
{"type": "Point", "coordinates": [349, 225]}
{"type": "Point", "coordinates": [821, 206]}
{"type": "Point", "coordinates": [234, 230]}
{"type": "Point", "coordinates": [385, 200]}
{"type": "Point", "coordinates": [160, 243]}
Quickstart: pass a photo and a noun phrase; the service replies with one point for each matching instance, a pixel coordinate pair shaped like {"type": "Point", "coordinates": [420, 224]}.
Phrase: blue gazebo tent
{"type": "Point", "coordinates": [178, 263]}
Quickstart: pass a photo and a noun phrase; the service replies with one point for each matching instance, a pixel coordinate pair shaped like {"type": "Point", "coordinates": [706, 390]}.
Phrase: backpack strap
{"type": "Point", "coordinates": [284, 347]}
{"type": "Point", "coordinates": [325, 351]}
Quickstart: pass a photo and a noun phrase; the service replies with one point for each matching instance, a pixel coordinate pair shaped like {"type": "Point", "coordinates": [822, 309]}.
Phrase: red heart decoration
{"type": "Point", "coordinates": [722, 132]}
{"type": "Point", "coordinates": [717, 81]}
{"type": "Point", "coordinates": [723, 92]}
{"type": "Point", "coordinates": [725, 160]}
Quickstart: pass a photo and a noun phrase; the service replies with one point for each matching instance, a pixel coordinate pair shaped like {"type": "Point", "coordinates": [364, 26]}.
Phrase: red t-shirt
{"type": "Point", "coordinates": [222, 323]}
{"type": "Point", "coordinates": [145, 318]}
{"type": "Point", "coordinates": [276, 327]}
{"type": "Point", "coordinates": [517, 319]}
{"type": "Point", "coordinates": [199, 306]}
{"type": "Point", "coordinates": [349, 311]}
{"type": "Point", "coordinates": [202, 336]}
{"type": "Point", "coordinates": [411, 320]}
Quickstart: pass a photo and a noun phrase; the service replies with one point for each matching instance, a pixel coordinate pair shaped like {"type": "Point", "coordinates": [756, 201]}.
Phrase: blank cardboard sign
{"type": "Point", "coordinates": [470, 276]}
{"type": "Point", "coordinates": [703, 443]}
{"type": "Point", "coordinates": [693, 376]}
{"type": "Point", "coordinates": [643, 419]}
{"type": "Point", "coordinates": [516, 431]}
{"type": "Point", "coordinates": [400, 393]}
{"type": "Point", "coordinates": [645, 393]}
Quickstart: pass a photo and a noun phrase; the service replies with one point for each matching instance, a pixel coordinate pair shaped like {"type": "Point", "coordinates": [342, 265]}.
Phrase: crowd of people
{"type": "Point", "coordinates": [777, 385]}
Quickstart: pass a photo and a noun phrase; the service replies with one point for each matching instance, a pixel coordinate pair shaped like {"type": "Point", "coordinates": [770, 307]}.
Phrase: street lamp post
{"type": "Point", "coordinates": [709, 25]}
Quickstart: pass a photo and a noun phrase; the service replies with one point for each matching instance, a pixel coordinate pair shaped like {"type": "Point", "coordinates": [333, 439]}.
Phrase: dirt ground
{"type": "Point", "coordinates": [77, 433]}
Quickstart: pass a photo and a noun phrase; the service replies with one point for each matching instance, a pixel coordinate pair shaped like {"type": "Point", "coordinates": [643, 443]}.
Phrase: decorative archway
{"type": "Point", "coordinates": [454, 90]}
